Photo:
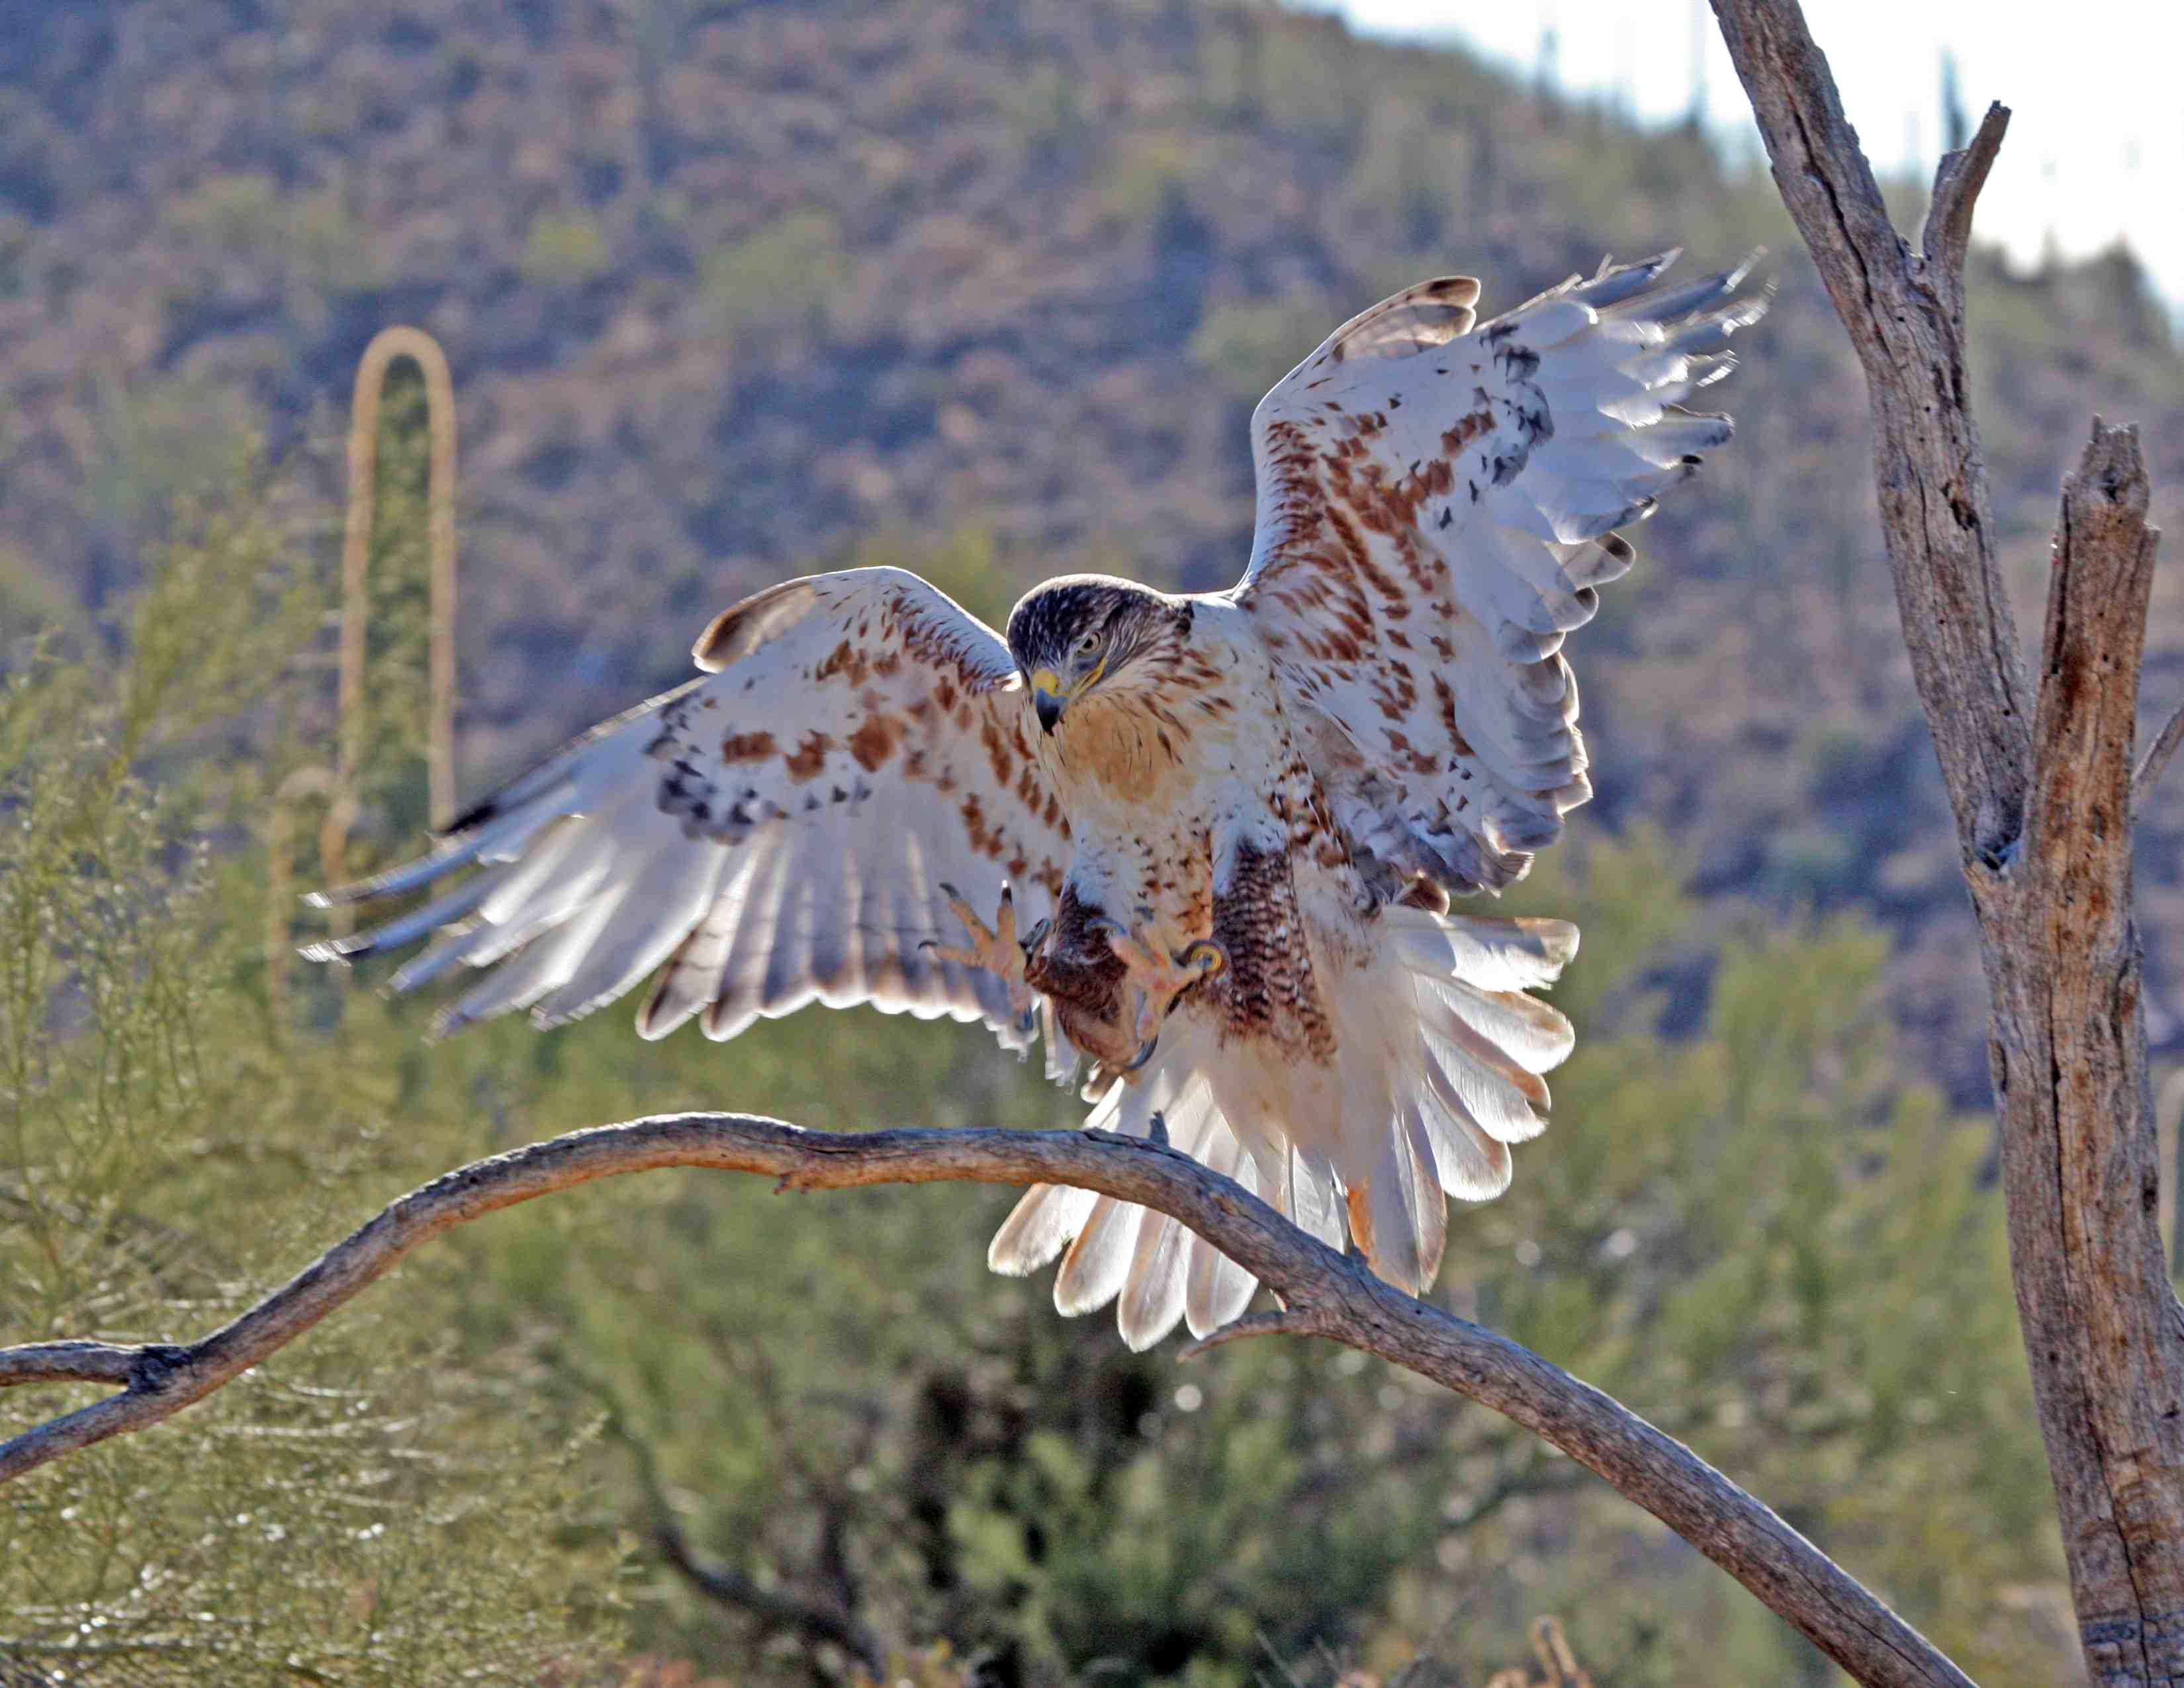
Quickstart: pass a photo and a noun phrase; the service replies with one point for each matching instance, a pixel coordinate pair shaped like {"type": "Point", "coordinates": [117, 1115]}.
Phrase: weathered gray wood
{"type": "Point", "coordinates": [1324, 1294]}
{"type": "Point", "coordinates": [1908, 327]}
{"type": "Point", "coordinates": [2080, 1163]}
{"type": "Point", "coordinates": [2042, 785]}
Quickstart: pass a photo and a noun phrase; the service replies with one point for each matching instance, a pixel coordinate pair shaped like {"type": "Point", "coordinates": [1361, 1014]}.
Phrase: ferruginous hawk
{"type": "Point", "coordinates": [1207, 840]}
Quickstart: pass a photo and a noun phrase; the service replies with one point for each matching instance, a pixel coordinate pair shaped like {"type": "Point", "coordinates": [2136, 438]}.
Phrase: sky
{"type": "Point", "coordinates": [2096, 142]}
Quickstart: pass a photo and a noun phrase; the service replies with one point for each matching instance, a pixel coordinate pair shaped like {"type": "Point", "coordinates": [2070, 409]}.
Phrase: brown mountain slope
{"type": "Point", "coordinates": [729, 288]}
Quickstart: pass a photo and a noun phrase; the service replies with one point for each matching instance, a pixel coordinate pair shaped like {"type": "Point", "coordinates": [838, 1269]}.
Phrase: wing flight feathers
{"type": "Point", "coordinates": [1438, 506]}
{"type": "Point", "coordinates": [772, 830]}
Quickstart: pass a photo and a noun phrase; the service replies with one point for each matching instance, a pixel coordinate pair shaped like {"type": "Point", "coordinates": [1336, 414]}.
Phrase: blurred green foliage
{"type": "Point", "coordinates": [159, 441]}
{"type": "Point", "coordinates": [1248, 345]}
{"type": "Point", "coordinates": [562, 248]}
{"type": "Point", "coordinates": [783, 269]}
{"type": "Point", "coordinates": [377, 1507]}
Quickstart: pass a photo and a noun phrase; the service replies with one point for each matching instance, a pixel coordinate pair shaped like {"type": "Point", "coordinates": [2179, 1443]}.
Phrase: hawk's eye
{"type": "Point", "coordinates": [1088, 645]}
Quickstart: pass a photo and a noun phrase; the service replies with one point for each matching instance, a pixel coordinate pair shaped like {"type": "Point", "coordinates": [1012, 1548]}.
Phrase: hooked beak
{"type": "Point", "coordinates": [1048, 698]}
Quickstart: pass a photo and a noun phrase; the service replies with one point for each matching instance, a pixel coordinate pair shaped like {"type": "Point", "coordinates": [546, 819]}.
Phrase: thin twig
{"type": "Point", "coordinates": [89, 1363]}
{"type": "Point", "coordinates": [2155, 762]}
{"type": "Point", "coordinates": [1274, 1321]}
{"type": "Point", "coordinates": [1288, 1671]}
{"type": "Point", "coordinates": [773, 1608]}
{"type": "Point", "coordinates": [1350, 1306]}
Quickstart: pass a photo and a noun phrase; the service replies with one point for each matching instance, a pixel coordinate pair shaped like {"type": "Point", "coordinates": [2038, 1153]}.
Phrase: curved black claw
{"type": "Point", "coordinates": [1206, 955]}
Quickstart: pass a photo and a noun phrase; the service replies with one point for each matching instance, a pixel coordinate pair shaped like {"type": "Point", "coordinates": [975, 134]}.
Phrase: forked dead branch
{"type": "Point", "coordinates": [2043, 783]}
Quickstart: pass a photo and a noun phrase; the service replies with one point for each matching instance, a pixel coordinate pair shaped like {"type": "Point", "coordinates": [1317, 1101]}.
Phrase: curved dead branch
{"type": "Point", "coordinates": [1321, 1292]}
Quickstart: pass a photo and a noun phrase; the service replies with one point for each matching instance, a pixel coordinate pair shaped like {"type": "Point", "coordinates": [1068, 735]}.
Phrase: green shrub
{"type": "Point", "coordinates": [562, 248]}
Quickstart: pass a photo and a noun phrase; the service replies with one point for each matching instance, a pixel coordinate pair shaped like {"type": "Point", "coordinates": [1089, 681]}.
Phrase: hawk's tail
{"type": "Point", "coordinates": [1157, 1270]}
{"type": "Point", "coordinates": [1442, 1051]}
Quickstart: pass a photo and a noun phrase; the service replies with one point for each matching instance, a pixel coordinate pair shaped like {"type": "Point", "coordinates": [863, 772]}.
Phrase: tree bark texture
{"type": "Point", "coordinates": [2039, 773]}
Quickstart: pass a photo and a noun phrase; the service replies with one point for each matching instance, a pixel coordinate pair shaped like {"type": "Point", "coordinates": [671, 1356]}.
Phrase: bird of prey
{"type": "Point", "coordinates": [1207, 840]}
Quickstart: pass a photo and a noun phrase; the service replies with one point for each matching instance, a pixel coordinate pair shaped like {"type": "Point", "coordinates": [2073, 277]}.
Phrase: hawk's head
{"type": "Point", "coordinates": [1082, 632]}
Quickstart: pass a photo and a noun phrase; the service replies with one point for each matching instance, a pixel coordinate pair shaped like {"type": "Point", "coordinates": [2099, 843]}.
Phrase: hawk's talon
{"type": "Point", "coordinates": [1160, 982]}
{"type": "Point", "coordinates": [995, 949]}
{"type": "Point", "coordinates": [1104, 1074]}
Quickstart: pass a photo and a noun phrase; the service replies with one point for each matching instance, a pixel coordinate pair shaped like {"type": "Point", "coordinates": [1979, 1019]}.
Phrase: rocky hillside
{"type": "Point", "coordinates": [734, 288]}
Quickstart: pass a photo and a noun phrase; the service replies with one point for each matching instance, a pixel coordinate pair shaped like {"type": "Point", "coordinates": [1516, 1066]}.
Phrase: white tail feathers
{"type": "Point", "coordinates": [1039, 1228]}
{"type": "Point", "coordinates": [1216, 1289]}
{"type": "Point", "coordinates": [1438, 1075]}
{"type": "Point", "coordinates": [1092, 1271]}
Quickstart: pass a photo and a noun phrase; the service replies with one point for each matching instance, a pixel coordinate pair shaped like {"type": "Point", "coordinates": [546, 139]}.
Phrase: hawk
{"type": "Point", "coordinates": [1207, 840]}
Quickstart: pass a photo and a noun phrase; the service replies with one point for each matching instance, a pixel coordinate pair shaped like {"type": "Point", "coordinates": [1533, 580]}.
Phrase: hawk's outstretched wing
{"type": "Point", "coordinates": [1437, 505]}
{"type": "Point", "coordinates": [775, 831]}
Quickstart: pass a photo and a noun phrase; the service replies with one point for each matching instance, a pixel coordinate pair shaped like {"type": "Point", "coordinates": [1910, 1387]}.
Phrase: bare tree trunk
{"type": "Point", "coordinates": [2041, 782]}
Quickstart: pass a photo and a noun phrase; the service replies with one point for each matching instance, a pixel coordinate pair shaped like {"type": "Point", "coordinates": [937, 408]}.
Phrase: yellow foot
{"type": "Point", "coordinates": [995, 948]}
{"type": "Point", "coordinates": [1160, 980]}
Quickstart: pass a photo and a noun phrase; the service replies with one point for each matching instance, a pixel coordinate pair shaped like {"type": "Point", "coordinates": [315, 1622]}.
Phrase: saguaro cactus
{"type": "Point", "coordinates": [423, 350]}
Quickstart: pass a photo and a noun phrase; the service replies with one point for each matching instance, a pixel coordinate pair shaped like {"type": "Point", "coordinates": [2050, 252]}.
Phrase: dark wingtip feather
{"type": "Point", "coordinates": [742, 628]}
{"type": "Point", "coordinates": [485, 808]}
{"type": "Point", "coordinates": [356, 948]}
{"type": "Point", "coordinates": [407, 876]}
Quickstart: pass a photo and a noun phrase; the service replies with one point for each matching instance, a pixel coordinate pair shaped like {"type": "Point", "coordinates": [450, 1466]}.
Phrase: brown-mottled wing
{"type": "Point", "coordinates": [1437, 506]}
{"type": "Point", "coordinates": [775, 831]}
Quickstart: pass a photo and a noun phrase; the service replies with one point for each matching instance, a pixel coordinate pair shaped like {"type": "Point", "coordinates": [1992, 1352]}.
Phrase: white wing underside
{"type": "Point", "coordinates": [1437, 508]}
{"type": "Point", "coordinates": [776, 832]}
